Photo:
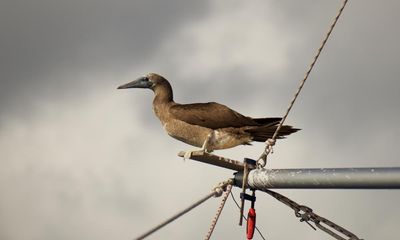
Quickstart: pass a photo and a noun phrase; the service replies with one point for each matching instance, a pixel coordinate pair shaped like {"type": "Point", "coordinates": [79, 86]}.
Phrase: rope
{"type": "Point", "coordinates": [216, 192]}
{"type": "Point", "coordinates": [271, 142]}
{"type": "Point", "coordinates": [219, 210]}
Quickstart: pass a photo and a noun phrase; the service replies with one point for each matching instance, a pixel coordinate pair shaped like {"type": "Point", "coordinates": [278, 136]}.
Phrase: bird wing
{"type": "Point", "coordinates": [214, 115]}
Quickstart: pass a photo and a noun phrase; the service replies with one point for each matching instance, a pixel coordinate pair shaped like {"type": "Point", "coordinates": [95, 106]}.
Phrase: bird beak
{"type": "Point", "coordinates": [142, 82]}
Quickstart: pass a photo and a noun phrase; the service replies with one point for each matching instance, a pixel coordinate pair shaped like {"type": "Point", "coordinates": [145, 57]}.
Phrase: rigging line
{"type": "Point", "coordinates": [307, 215]}
{"type": "Point", "coordinates": [237, 204]}
{"type": "Point", "coordinates": [270, 142]}
{"type": "Point", "coordinates": [217, 191]}
{"type": "Point", "coordinates": [218, 213]}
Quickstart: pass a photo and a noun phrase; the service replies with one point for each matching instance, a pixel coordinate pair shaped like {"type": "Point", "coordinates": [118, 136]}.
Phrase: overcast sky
{"type": "Point", "coordinates": [82, 160]}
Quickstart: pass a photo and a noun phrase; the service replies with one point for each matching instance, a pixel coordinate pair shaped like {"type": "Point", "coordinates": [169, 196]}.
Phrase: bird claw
{"type": "Point", "coordinates": [188, 155]}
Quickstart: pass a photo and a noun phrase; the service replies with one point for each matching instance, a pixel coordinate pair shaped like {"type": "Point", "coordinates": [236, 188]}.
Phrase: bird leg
{"type": "Point", "coordinates": [188, 154]}
{"type": "Point", "coordinates": [206, 143]}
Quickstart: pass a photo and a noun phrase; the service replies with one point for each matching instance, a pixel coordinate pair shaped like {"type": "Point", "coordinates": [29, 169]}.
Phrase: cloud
{"type": "Point", "coordinates": [82, 160]}
{"type": "Point", "coordinates": [46, 45]}
{"type": "Point", "coordinates": [235, 35]}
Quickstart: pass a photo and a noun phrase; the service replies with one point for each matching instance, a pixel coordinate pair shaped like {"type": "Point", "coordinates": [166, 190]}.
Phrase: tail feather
{"type": "Point", "coordinates": [261, 134]}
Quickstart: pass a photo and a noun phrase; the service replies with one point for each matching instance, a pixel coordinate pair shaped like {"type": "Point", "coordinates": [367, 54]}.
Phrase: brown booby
{"type": "Point", "coordinates": [211, 125]}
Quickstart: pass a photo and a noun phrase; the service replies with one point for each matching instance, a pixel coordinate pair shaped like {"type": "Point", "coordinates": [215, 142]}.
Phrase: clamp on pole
{"type": "Point", "coordinates": [251, 217]}
{"type": "Point", "coordinates": [247, 163]}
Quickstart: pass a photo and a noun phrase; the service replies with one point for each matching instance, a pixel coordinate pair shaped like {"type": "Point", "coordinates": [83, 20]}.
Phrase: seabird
{"type": "Point", "coordinates": [211, 125]}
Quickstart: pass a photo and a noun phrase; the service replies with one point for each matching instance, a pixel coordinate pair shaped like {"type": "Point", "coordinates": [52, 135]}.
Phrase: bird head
{"type": "Point", "coordinates": [150, 81]}
{"type": "Point", "coordinates": [142, 82]}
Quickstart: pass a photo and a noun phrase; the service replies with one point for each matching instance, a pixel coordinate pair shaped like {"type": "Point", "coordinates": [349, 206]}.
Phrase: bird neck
{"type": "Point", "coordinates": [163, 94]}
{"type": "Point", "coordinates": [163, 99]}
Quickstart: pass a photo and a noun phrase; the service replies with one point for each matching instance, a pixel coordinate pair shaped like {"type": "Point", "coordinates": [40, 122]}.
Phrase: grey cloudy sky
{"type": "Point", "coordinates": [82, 160]}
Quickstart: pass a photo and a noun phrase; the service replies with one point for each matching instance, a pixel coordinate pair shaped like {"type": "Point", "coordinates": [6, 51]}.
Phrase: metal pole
{"type": "Point", "coordinates": [322, 178]}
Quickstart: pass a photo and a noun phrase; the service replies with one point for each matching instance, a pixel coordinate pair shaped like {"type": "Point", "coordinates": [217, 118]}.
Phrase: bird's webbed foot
{"type": "Point", "coordinates": [204, 148]}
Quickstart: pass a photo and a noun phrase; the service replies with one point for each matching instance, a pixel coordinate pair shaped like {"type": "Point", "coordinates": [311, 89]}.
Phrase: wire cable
{"type": "Point", "coordinates": [217, 191]}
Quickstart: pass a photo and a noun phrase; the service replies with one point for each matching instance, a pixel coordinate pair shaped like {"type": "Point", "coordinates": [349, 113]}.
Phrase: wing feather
{"type": "Point", "coordinates": [214, 115]}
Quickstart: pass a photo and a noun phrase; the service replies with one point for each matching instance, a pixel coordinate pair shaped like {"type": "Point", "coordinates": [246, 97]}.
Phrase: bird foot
{"type": "Point", "coordinates": [203, 149]}
{"type": "Point", "coordinates": [189, 154]}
